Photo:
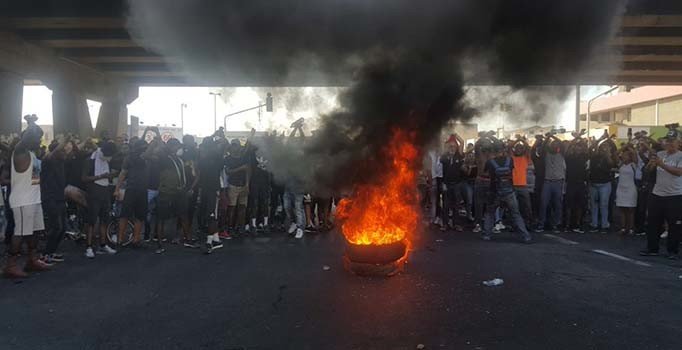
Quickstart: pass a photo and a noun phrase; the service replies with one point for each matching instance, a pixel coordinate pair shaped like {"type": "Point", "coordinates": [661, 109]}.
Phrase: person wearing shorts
{"type": "Point", "coordinates": [25, 202]}
{"type": "Point", "coordinates": [135, 176]}
{"type": "Point", "coordinates": [238, 172]}
{"type": "Point", "coordinates": [97, 177]}
{"type": "Point", "coordinates": [172, 200]}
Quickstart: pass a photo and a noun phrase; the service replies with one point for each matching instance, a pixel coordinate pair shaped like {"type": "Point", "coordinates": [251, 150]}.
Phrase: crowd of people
{"type": "Point", "coordinates": [549, 184]}
{"type": "Point", "coordinates": [125, 192]}
{"type": "Point", "coordinates": [144, 190]}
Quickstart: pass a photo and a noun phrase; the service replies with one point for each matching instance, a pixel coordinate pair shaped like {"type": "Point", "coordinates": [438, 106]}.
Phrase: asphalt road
{"type": "Point", "coordinates": [271, 292]}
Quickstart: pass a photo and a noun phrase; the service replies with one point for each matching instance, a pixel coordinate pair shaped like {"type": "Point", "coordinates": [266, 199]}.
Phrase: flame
{"type": "Point", "coordinates": [385, 211]}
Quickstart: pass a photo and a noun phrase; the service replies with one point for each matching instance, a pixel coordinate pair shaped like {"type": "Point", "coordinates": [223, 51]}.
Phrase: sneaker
{"type": "Point", "coordinates": [292, 228]}
{"type": "Point", "coordinates": [594, 229]}
{"type": "Point", "coordinates": [89, 253]}
{"type": "Point", "coordinates": [310, 228]}
{"type": "Point", "coordinates": [105, 249]}
{"type": "Point", "coordinates": [640, 234]}
{"type": "Point", "coordinates": [56, 257]}
{"type": "Point", "coordinates": [45, 259]}
{"type": "Point", "coordinates": [556, 229]}
{"type": "Point", "coordinates": [500, 226]}
{"type": "Point", "coordinates": [438, 221]}
{"type": "Point", "coordinates": [496, 229]}
{"type": "Point", "coordinates": [299, 233]}
{"type": "Point", "coordinates": [217, 244]}
{"type": "Point", "coordinates": [647, 252]}
{"type": "Point", "coordinates": [208, 248]}
{"type": "Point", "coordinates": [114, 239]}
{"type": "Point", "coordinates": [477, 228]}
{"type": "Point", "coordinates": [224, 235]}
{"type": "Point", "coordinates": [578, 230]}
{"type": "Point", "coordinates": [673, 257]}
{"type": "Point", "coordinates": [539, 229]}
{"type": "Point", "coordinates": [664, 234]}
{"type": "Point", "coordinates": [189, 244]}
{"type": "Point", "coordinates": [486, 237]}
{"type": "Point", "coordinates": [159, 250]}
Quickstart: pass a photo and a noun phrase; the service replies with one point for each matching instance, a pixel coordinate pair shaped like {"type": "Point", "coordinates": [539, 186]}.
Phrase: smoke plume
{"type": "Point", "coordinates": [405, 62]}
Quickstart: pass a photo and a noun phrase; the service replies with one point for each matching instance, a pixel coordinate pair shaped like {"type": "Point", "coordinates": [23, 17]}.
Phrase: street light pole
{"type": "Point", "coordinates": [215, 113]}
{"type": "Point", "coordinates": [589, 105]}
{"type": "Point", "coordinates": [182, 118]}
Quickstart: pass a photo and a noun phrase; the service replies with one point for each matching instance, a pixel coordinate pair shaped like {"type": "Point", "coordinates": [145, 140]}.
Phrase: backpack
{"type": "Point", "coordinates": [504, 184]}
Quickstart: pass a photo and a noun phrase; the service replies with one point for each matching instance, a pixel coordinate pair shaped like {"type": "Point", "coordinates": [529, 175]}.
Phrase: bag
{"type": "Point", "coordinates": [504, 184]}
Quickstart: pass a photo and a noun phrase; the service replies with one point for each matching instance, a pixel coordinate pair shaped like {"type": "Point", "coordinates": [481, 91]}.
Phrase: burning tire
{"type": "Point", "coordinates": [375, 260]}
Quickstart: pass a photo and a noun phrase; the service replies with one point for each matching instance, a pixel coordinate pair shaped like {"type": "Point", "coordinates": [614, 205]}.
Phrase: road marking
{"type": "Point", "coordinates": [620, 257]}
{"type": "Point", "coordinates": [561, 239]}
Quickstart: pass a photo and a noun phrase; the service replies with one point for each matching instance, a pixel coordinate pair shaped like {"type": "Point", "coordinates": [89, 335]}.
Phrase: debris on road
{"type": "Point", "coordinates": [493, 282]}
{"type": "Point", "coordinates": [326, 268]}
{"type": "Point", "coordinates": [421, 346]}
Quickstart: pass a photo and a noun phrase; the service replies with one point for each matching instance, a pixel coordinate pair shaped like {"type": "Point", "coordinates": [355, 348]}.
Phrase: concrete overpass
{"type": "Point", "coordinates": [81, 49]}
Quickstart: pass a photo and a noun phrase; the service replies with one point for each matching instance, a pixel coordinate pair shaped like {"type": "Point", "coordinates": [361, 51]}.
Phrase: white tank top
{"type": "Point", "coordinates": [26, 185]}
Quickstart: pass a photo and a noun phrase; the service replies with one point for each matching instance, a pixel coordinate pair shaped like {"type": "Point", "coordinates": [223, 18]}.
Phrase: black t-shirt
{"type": "Point", "coordinates": [209, 171]}
{"type": "Point", "coordinates": [452, 167]}
{"type": "Point", "coordinates": [260, 178]}
{"type": "Point", "coordinates": [73, 167]}
{"type": "Point", "coordinates": [238, 178]}
{"type": "Point", "coordinates": [153, 174]}
{"type": "Point", "coordinates": [52, 180]}
{"type": "Point", "coordinates": [137, 176]}
{"type": "Point", "coordinates": [600, 169]}
{"type": "Point", "coordinates": [576, 168]}
{"type": "Point", "coordinates": [89, 170]}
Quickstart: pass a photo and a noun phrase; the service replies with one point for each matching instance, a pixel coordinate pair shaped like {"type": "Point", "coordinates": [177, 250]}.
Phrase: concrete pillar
{"type": "Point", "coordinates": [11, 96]}
{"type": "Point", "coordinates": [113, 114]}
{"type": "Point", "coordinates": [70, 112]}
{"type": "Point", "coordinates": [113, 117]}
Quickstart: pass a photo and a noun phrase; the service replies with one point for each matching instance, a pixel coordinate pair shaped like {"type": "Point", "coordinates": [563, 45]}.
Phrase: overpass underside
{"type": "Point", "coordinates": [85, 51]}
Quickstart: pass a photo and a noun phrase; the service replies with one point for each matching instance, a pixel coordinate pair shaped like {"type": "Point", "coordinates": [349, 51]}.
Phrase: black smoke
{"type": "Point", "coordinates": [405, 62]}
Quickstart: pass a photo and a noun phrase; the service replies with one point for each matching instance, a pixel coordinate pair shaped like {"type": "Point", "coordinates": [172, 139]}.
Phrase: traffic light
{"type": "Point", "coordinates": [268, 102]}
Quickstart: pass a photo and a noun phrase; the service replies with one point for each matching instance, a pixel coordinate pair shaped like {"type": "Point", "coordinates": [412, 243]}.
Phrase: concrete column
{"type": "Point", "coordinates": [113, 117]}
{"type": "Point", "coordinates": [11, 96]}
{"type": "Point", "coordinates": [70, 112]}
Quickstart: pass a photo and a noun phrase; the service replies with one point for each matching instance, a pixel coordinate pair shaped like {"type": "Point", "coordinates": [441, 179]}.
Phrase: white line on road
{"type": "Point", "coordinates": [561, 239]}
{"type": "Point", "coordinates": [620, 257]}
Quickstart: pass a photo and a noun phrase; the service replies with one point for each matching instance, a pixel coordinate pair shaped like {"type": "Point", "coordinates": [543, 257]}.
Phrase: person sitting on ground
{"type": "Point", "coordinates": [97, 178]}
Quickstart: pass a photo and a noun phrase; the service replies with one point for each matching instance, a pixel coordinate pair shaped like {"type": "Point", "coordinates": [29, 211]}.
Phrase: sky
{"type": "Point", "coordinates": [162, 106]}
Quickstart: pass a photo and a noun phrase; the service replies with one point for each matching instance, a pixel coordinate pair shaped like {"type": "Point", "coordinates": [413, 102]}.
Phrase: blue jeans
{"type": "Point", "coordinates": [525, 206]}
{"type": "Point", "coordinates": [295, 213]}
{"type": "Point", "coordinates": [599, 200]}
{"type": "Point", "coordinates": [513, 206]}
{"type": "Point", "coordinates": [552, 194]}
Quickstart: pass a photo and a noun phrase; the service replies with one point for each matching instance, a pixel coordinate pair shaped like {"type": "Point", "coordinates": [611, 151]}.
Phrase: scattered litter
{"type": "Point", "coordinates": [493, 282]}
{"type": "Point", "coordinates": [326, 268]}
{"type": "Point", "coordinates": [680, 277]}
{"type": "Point", "coordinates": [439, 240]}
{"type": "Point", "coordinates": [421, 346]}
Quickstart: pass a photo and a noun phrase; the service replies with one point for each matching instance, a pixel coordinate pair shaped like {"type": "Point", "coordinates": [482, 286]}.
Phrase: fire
{"type": "Point", "coordinates": [386, 211]}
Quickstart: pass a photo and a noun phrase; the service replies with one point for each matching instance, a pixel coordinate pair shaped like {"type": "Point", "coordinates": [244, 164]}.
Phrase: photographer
{"type": "Point", "coordinates": [666, 198]}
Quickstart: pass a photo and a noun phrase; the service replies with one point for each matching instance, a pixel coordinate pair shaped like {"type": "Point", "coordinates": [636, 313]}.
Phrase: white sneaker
{"type": "Point", "coordinates": [299, 233]}
{"type": "Point", "coordinates": [114, 239]}
{"type": "Point", "coordinates": [105, 249]}
{"type": "Point", "coordinates": [89, 253]}
{"type": "Point", "coordinates": [664, 234]}
{"type": "Point", "coordinates": [438, 221]}
{"type": "Point", "coordinates": [292, 228]}
{"type": "Point", "coordinates": [477, 229]}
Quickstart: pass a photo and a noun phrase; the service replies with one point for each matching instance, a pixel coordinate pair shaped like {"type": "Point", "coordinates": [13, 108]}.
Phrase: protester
{"type": "Point", "coordinates": [238, 177]}
{"type": "Point", "coordinates": [135, 175]}
{"type": "Point", "coordinates": [483, 151]}
{"type": "Point", "coordinates": [520, 153]}
{"type": "Point", "coordinates": [500, 170]}
{"type": "Point", "coordinates": [626, 192]}
{"type": "Point", "coordinates": [97, 178]}
{"type": "Point", "coordinates": [52, 187]}
{"type": "Point", "coordinates": [210, 168]}
{"type": "Point", "coordinates": [436, 180]}
{"type": "Point", "coordinates": [25, 201]}
{"type": "Point", "coordinates": [551, 197]}
{"type": "Point", "coordinates": [454, 182]}
{"type": "Point", "coordinates": [600, 175]}
{"type": "Point", "coordinates": [666, 198]}
{"type": "Point", "coordinates": [576, 183]}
